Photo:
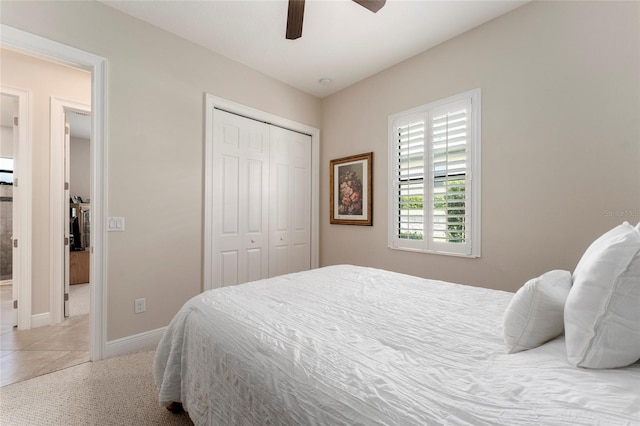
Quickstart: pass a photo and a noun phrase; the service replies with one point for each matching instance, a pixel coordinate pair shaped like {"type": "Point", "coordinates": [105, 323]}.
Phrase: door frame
{"type": "Point", "coordinates": [59, 203]}
{"type": "Point", "coordinates": [22, 224]}
{"type": "Point", "coordinates": [212, 102]}
{"type": "Point", "coordinates": [33, 45]}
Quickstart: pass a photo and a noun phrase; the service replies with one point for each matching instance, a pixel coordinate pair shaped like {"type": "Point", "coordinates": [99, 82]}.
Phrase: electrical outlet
{"type": "Point", "coordinates": [139, 306]}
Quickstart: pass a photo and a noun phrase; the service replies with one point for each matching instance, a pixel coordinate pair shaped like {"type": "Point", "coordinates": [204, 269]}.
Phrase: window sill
{"type": "Point", "coordinates": [442, 253]}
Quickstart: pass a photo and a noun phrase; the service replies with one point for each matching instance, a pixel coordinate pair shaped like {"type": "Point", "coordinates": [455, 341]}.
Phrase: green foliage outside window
{"type": "Point", "coordinates": [413, 202]}
{"type": "Point", "coordinates": [454, 204]}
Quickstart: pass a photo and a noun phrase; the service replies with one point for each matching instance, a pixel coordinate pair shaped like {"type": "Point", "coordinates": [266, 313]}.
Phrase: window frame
{"type": "Point", "coordinates": [471, 248]}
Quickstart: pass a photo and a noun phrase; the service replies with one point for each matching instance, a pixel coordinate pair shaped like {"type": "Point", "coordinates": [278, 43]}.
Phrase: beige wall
{"type": "Point", "coordinates": [155, 146]}
{"type": "Point", "coordinates": [560, 139]}
{"type": "Point", "coordinates": [44, 80]}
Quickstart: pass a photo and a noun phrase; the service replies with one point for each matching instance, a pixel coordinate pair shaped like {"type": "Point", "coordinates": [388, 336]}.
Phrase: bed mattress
{"type": "Point", "coordinates": [347, 345]}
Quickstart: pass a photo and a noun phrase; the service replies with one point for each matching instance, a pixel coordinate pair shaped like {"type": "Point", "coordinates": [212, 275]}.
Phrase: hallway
{"type": "Point", "coordinates": [29, 353]}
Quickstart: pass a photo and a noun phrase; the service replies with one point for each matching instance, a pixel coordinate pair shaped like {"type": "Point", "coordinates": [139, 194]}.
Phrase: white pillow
{"type": "Point", "coordinates": [535, 313]}
{"type": "Point", "coordinates": [601, 243]}
{"type": "Point", "coordinates": [602, 313]}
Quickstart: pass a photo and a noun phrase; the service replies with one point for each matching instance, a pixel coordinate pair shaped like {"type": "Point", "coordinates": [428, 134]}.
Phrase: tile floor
{"type": "Point", "coordinates": [29, 353]}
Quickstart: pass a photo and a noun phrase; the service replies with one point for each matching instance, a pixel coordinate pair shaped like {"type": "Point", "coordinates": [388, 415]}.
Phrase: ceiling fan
{"type": "Point", "coordinates": [296, 14]}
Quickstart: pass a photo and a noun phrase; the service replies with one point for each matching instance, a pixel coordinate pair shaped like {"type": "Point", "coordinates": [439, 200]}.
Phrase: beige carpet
{"type": "Point", "coordinates": [115, 391]}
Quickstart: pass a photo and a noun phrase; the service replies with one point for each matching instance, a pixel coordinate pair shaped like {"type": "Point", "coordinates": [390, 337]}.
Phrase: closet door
{"type": "Point", "coordinates": [290, 202]}
{"type": "Point", "coordinates": [241, 198]}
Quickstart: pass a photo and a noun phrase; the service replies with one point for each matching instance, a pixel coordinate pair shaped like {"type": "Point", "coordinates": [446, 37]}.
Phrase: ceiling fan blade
{"type": "Point", "coordinates": [294, 19]}
{"type": "Point", "coordinates": [372, 5]}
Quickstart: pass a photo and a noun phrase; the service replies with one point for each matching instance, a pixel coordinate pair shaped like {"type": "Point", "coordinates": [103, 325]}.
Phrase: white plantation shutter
{"type": "Point", "coordinates": [434, 196]}
{"type": "Point", "coordinates": [449, 143]}
{"type": "Point", "coordinates": [410, 174]}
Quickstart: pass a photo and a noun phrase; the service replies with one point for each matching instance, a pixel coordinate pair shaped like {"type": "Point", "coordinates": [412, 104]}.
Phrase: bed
{"type": "Point", "coordinates": [349, 345]}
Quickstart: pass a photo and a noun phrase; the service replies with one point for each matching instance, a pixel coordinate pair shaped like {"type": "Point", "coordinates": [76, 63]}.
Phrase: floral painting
{"type": "Point", "coordinates": [351, 179]}
{"type": "Point", "coordinates": [350, 184]}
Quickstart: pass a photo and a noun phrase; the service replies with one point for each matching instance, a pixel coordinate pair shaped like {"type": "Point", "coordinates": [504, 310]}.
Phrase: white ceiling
{"type": "Point", "coordinates": [340, 40]}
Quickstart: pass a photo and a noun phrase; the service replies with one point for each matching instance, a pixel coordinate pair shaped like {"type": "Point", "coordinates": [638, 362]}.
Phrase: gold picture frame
{"type": "Point", "coordinates": [351, 188]}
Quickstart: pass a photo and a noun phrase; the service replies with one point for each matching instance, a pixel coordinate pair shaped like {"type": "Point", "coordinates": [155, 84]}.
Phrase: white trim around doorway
{"type": "Point", "coordinates": [31, 44]}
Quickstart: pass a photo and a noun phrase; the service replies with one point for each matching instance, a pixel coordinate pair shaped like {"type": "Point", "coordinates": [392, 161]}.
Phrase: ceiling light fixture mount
{"type": "Point", "coordinates": [325, 81]}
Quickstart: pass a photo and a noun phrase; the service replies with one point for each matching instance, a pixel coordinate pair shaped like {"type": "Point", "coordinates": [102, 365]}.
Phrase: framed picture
{"type": "Point", "coordinates": [351, 183]}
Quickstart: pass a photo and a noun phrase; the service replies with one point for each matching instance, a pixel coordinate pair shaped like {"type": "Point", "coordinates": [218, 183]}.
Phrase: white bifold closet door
{"type": "Point", "coordinates": [261, 208]}
{"type": "Point", "coordinates": [290, 202]}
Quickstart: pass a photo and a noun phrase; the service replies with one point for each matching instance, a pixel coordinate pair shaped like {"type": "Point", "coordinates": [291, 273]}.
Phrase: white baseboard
{"type": "Point", "coordinates": [136, 342]}
{"type": "Point", "coordinates": [40, 320]}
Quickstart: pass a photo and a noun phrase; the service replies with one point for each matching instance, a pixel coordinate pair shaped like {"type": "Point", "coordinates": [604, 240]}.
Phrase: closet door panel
{"type": "Point", "coordinates": [301, 188]}
{"type": "Point", "coordinates": [300, 192]}
{"type": "Point", "coordinates": [300, 260]}
{"type": "Point", "coordinates": [280, 210]}
{"type": "Point", "coordinates": [255, 208]}
{"type": "Point", "coordinates": [229, 267]}
{"type": "Point", "coordinates": [231, 134]}
{"type": "Point", "coordinates": [241, 185]}
{"type": "Point", "coordinates": [279, 220]}
{"type": "Point", "coordinates": [279, 260]}
{"type": "Point", "coordinates": [290, 249]}
{"type": "Point", "coordinates": [255, 264]}
{"type": "Point", "coordinates": [230, 195]}
{"type": "Point", "coordinates": [256, 189]}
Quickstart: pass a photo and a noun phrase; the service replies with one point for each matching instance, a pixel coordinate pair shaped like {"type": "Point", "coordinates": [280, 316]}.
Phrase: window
{"type": "Point", "coordinates": [434, 169]}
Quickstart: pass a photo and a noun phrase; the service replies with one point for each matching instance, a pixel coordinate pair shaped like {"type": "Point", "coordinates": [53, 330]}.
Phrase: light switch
{"type": "Point", "coordinates": [115, 224]}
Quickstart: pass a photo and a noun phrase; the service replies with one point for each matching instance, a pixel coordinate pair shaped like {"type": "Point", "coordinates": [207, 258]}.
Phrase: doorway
{"type": "Point", "coordinates": [9, 211]}
{"type": "Point", "coordinates": [70, 204]}
{"type": "Point", "coordinates": [30, 44]}
{"type": "Point", "coordinates": [48, 343]}
{"type": "Point", "coordinates": [76, 299]}
{"type": "Point", "coordinates": [16, 149]}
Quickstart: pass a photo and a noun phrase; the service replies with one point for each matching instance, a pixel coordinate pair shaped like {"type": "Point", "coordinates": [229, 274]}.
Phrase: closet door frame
{"type": "Point", "coordinates": [214, 102]}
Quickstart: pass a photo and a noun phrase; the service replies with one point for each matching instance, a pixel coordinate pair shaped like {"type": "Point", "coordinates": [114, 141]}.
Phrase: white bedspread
{"type": "Point", "coordinates": [346, 345]}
